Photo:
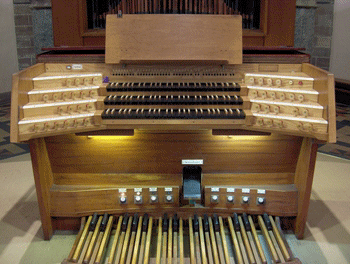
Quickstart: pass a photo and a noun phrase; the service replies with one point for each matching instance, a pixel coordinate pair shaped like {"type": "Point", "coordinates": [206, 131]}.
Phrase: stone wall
{"type": "Point", "coordinates": [313, 30]}
{"type": "Point", "coordinates": [33, 26]}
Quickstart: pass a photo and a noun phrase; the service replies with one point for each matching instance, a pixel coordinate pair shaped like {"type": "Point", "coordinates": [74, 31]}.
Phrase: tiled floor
{"type": "Point", "coordinates": [6, 148]}
{"type": "Point", "coordinates": [327, 237]}
{"type": "Point", "coordinates": [342, 147]}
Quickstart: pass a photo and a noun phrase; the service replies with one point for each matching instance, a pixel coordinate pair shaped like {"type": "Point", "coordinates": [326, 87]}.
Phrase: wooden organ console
{"type": "Point", "coordinates": [173, 124]}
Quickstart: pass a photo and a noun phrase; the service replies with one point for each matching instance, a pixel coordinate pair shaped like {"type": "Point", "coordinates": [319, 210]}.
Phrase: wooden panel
{"type": "Point", "coordinates": [304, 175]}
{"type": "Point", "coordinates": [67, 201]}
{"type": "Point", "coordinates": [253, 41]}
{"type": "Point", "coordinates": [65, 223]}
{"type": "Point", "coordinates": [14, 109]}
{"type": "Point", "coordinates": [276, 58]}
{"type": "Point", "coordinates": [112, 179]}
{"type": "Point", "coordinates": [238, 132]}
{"type": "Point", "coordinates": [163, 152]}
{"type": "Point", "coordinates": [251, 54]}
{"type": "Point", "coordinates": [66, 20]}
{"type": "Point", "coordinates": [110, 132]}
{"type": "Point", "coordinates": [174, 37]}
{"type": "Point", "coordinates": [43, 182]}
{"type": "Point", "coordinates": [107, 70]}
{"type": "Point", "coordinates": [332, 115]}
{"type": "Point", "coordinates": [324, 84]}
{"type": "Point", "coordinates": [281, 21]}
{"type": "Point", "coordinates": [247, 178]}
{"type": "Point", "coordinates": [98, 38]}
{"type": "Point", "coordinates": [94, 41]}
{"type": "Point", "coordinates": [21, 83]}
{"type": "Point", "coordinates": [279, 199]}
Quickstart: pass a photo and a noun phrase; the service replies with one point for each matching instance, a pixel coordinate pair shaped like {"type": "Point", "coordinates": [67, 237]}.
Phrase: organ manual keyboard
{"type": "Point", "coordinates": [172, 123]}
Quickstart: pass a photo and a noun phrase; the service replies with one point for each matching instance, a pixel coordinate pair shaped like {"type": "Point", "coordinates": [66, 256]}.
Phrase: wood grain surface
{"type": "Point", "coordinates": [162, 37]}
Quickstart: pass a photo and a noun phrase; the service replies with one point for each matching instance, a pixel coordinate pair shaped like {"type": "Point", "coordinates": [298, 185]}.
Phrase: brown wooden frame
{"type": "Point", "coordinates": [277, 21]}
{"type": "Point", "coordinates": [61, 187]}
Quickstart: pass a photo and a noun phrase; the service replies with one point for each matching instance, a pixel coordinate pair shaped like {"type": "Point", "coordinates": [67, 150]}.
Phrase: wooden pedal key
{"type": "Point", "coordinates": [181, 241]}
{"type": "Point", "coordinates": [192, 250]}
{"type": "Point", "coordinates": [134, 228]}
{"type": "Point", "coordinates": [237, 228]}
{"type": "Point", "coordinates": [99, 238]}
{"type": "Point", "coordinates": [280, 240]}
{"type": "Point", "coordinates": [121, 239]}
{"type": "Point", "coordinates": [159, 241]}
{"type": "Point", "coordinates": [218, 238]}
{"type": "Point", "coordinates": [143, 240]}
{"type": "Point", "coordinates": [77, 239]}
{"type": "Point", "coordinates": [237, 250]}
{"type": "Point", "coordinates": [268, 240]}
{"type": "Point", "coordinates": [176, 238]}
{"type": "Point", "coordinates": [115, 241]}
{"type": "Point", "coordinates": [248, 230]}
{"type": "Point", "coordinates": [207, 239]}
{"type": "Point", "coordinates": [90, 241]}
{"type": "Point", "coordinates": [213, 241]}
{"type": "Point", "coordinates": [126, 241]}
{"type": "Point", "coordinates": [272, 236]}
{"type": "Point", "coordinates": [257, 241]}
{"type": "Point", "coordinates": [196, 238]}
{"type": "Point", "coordinates": [105, 238]}
{"type": "Point", "coordinates": [170, 241]}
{"type": "Point", "coordinates": [165, 238]}
{"type": "Point", "coordinates": [223, 239]}
{"type": "Point", "coordinates": [82, 239]}
{"type": "Point", "coordinates": [148, 241]}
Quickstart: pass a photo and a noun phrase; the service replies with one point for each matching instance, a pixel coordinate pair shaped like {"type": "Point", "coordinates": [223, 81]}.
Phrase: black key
{"type": "Point", "coordinates": [135, 222]}
{"type": "Point", "coordinates": [246, 222]}
{"type": "Point", "coordinates": [165, 223]}
{"type": "Point", "coordinates": [93, 222]}
{"type": "Point", "coordinates": [206, 223]}
{"type": "Point", "coordinates": [195, 223]}
{"type": "Point", "coordinates": [175, 224]}
{"type": "Point", "coordinates": [236, 222]}
{"type": "Point", "coordinates": [125, 222]}
{"type": "Point", "coordinates": [267, 222]}
{"type": "Point", "coordinates": [216, 223]}
{"type": "Point", "coordinates": [104, 222]}
{"type": "Point", "coordinates": [145, 223]}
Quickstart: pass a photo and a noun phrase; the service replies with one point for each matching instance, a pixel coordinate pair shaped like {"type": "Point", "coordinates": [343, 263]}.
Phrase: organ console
{"type": "Point", "coordinates": [181, 147]}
